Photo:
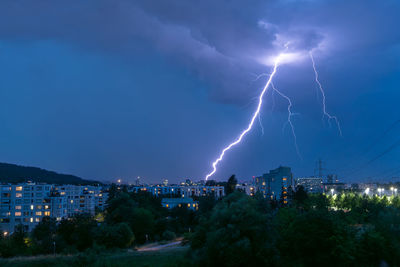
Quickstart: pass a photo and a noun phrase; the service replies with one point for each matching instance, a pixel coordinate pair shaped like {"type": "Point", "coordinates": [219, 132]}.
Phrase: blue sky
{"type": "Point", "coordinates": [119, 89]}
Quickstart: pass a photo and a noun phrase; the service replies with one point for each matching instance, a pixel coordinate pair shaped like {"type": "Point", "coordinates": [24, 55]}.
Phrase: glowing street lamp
{"type": "Point", "coordinates": [332, 191]}
{"type": "Point", "coordinates": [367, 191]}
{"type": "Point", "coordinates": [392, 189]}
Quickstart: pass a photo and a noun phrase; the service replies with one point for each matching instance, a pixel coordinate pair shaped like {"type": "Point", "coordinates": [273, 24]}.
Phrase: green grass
{"type": "Point", "coordinates": [167, 258]}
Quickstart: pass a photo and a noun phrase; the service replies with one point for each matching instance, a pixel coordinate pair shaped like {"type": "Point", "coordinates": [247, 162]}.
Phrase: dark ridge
{"type": "Point", "coordinates": [11, 173]}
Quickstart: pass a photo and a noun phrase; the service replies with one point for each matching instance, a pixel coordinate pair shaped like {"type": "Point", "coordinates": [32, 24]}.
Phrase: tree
{"type": "Point", "coordinates": [112, 192]}
{"type": "Point", "coordinates": [43, 236]}
{"type": "Point", "coordinates": [314, 238]}
{"type": "Point", "coordinates": [120, 209]}
{"type": "Point", "coordinates": [236, 234]}
{"type": "Point", "coordinates": [168, 235]}
{"type": "Point", "coordinates": [78, 231]}
{"type": "Point", "coordinates": [142, 224]}
{"type": "Point", "coordinates": [231, 185]}
{"type": "Point", "coordinates": [119, 235]}
{"type": "Point", "coordinates": [300, 196]}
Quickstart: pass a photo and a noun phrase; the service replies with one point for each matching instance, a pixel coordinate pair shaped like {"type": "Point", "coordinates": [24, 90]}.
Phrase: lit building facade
{"type": "Point", "coordinates": [311, 184]}
{"type": "Point", "coordinates": [28, 203]}
{"type": "Point", "coordinates": [276, 184]}
{"type": "Point", "coordinates": [181, 190]}
{"type": "Point", "coordinates": [187, 202]}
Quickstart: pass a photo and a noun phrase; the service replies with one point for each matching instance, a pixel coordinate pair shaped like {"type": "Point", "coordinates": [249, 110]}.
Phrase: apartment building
{"type": "Point", "coordinates": [181, 190]}
{"type": "Point", "coordinates": [28, 203]}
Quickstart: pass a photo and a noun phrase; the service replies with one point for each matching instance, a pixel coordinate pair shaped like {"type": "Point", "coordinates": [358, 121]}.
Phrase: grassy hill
{"type": "Point", "coordinates": [11, 173]}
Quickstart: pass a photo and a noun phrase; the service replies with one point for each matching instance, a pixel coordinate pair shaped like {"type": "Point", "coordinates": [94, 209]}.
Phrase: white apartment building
{"type": "Point", "coordinates": [82, 199]}
{"type": "Point", "coordinates": [28, 203]}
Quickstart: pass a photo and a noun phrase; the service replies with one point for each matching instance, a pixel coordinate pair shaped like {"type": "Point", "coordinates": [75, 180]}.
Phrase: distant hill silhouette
{"type": "Point", "coordinates": [11, 173]}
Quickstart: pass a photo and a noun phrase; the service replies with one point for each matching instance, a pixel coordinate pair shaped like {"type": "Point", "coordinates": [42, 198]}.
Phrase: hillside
{"type": "Point", "coordinates": [11, 173]}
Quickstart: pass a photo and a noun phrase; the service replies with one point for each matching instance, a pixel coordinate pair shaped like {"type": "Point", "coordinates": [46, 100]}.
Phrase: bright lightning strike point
{"type": "Point", "coordinates": [253, 118]}
{"type": "Point", "coordinates": [329, 116]}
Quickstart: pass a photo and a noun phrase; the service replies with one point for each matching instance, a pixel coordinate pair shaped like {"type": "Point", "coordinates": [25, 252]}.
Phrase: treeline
{"type": "Point", "coordinates": [314, 230]}
{"type": "Point", "coordinates": [238, 230]}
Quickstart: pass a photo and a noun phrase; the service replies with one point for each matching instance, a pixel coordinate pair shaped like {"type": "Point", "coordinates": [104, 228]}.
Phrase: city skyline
{"type": "Point", "coordinates": [157, 90]}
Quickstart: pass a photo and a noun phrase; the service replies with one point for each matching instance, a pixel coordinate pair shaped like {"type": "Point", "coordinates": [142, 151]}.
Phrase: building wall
{"type": "Point", "coordinates": [183, 191]}
{"type": "Point", "coordinates": [28, 203]}
{"type": "Point", "coordinates": [171, 203]}
{"type": "Point", "coordinates": [276, 183]}
{"type": "Point", "coordinates": [311, 184]}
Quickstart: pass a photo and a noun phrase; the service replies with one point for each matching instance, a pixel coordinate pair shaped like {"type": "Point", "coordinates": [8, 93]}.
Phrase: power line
{"type": "Point", "coordinates": [389, 149]}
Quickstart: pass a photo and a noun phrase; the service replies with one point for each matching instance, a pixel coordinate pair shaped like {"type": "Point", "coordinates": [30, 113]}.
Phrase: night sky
{"type": "Point", "coordinates": [108, 89]}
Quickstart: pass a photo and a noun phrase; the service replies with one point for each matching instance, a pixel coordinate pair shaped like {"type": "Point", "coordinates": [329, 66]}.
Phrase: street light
{"type": "Point", "coordinates": [380, 191]}
{"type": "Point", "coordinates": [392, 189]}
{"type": "Point", "coordinates": [332, 191]}
{"type": "Point", "coordinates": [367, 191]}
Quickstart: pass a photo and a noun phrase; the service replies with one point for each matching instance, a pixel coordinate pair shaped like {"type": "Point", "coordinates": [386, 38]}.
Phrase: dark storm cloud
{"type": "Point", "coordinates": [222, 41]}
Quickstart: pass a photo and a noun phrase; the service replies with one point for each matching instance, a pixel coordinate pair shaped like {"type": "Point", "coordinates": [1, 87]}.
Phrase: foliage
{"type": "Point", "coordinates": [236, 234]}
{"type": "Point", "coordinates": [231, 185]}
{"type": "Point", "coordinates": [119, 235]}
{"type": "Point", "coordinates": [168, 235]}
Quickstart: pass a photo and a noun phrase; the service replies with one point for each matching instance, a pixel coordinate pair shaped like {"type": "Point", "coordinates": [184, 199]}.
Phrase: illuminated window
{"type": "Point", "coordinates": [47, 213]}
{"type": "Point", "coordinates": [38, 213]}
{"type": "Point", "coordinates": [18, 188]}
{"type": "Point", "coordinates": [284, 179]}
{"type": "Point", "coordinates": [31, 207]}
{"type": "Point", "coordinates": [31, 219]}
{"type": "Point", "coordinates": [189, 205]}
{"type": "Point", "coordinates": [18, 213]}
{"type": "Point", "coordinates": [37, 219]}
{"type": "Point", "coordinates": [167, 206]}
{"type": "Point", "coordinates": [39, 207]}
{"type": "Point", "coordinates": [46, 207]}
{"type": "Point", "coordinates": [18, 195]}
{"type": "Point", "coordinates": [194, 205]}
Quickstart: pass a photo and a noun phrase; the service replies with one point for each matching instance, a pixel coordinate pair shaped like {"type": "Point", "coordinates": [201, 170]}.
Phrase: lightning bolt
{"type": "Point", "coordinates": [253, 118]}
{"type": "Point", "coordinates": [290, 114]}
{"type": "Point", "coordinates": [326, 114]}
{"type": "Point", "coordinates": [289, 119]}
{"type": "Point", "coordinates": [262, 127]}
